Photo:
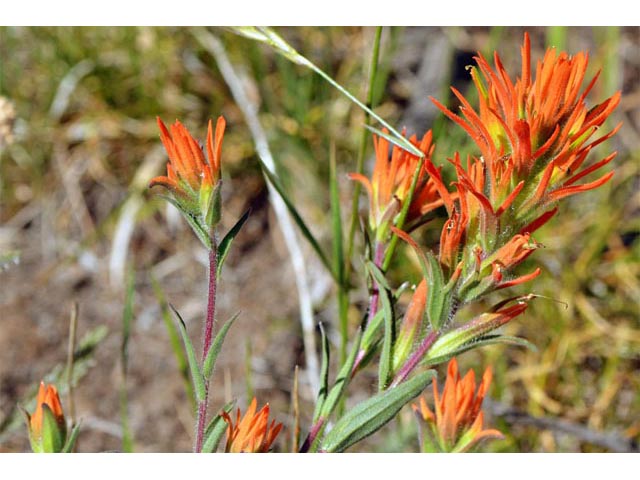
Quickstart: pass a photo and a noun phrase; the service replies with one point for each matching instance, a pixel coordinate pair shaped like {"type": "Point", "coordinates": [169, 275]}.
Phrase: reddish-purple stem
{"type": "Point", "coordinates": [201, 419]}
{"type": "Point", "coordinates": [414, 359]}
{"type": "Point", "coordinates": [313, 433]}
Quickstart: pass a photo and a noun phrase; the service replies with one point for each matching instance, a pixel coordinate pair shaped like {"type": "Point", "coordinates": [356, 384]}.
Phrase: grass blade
{"type": "Point", "coordinates": [297, 218]}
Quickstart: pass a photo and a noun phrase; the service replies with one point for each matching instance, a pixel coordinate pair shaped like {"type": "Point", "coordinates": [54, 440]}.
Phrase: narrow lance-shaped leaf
{"type": "Point", "coordinates": [441, 353]}
{"type": "Point", "coordinates": [342, 379]}
{"type": "Point", "coordinates": [369, 416]}
{"type": "Point", "coordinates": [71, 441]}
{"type": "Point", "coordinates": [210, 361]}
{"type": "Point", "coordinates": [225, 243]}
{"type": "Point", "coordinates": [174, 340]}
{"type": "Point", "coordinates": [324, 374]}
{"type": "Point", "coordinates": [196, 374]}
{"type": "Point", "coordinates": [386, 357]}
{"type": "Point", "coordinates": [215, 430]}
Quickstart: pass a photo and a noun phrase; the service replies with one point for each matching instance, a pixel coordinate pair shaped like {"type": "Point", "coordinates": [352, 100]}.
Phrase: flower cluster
{"type": "Point", "coordinates": [456, 422]}
{"type": "Point", "coordinates": [192, 179]}
{"type": "Point", "coordinates": [534, 135]}
{"type": "Point", "coordinates": [252, 433]}
{"type": "Point", "coordinates": [391, 181]}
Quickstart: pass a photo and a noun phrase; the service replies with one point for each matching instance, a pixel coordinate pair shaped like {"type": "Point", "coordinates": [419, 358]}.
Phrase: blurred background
{"type": "Point", "coordinates": [79, 143]}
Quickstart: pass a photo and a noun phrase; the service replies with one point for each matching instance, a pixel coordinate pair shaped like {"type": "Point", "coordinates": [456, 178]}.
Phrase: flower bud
{"type": "Point", "coordinates": [47, 425]}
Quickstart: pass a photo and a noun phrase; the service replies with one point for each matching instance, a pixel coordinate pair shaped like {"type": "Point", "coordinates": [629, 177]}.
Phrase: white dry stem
{"type": "Point", "coordinates": [249, 110]}
{"type": "Point", "coordinates": [127, 217]}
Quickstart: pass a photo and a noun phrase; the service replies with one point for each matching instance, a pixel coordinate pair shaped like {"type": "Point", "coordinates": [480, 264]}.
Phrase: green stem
{"type": "Point", "coordinates": [403, 215]}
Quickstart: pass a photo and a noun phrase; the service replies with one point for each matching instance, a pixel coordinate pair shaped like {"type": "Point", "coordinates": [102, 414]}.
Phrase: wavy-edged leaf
{"type": "Point", "coordinates": [369, 416]}
{"type": "Point", "coordinates": [196, 374]}
{"type": "Point", "coordinates": [210, 361]}
{"type": "Point", "coordinates": [225, 243]}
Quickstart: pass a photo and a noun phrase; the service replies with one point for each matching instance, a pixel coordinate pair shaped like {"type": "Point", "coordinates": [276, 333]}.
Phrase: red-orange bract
{"type": "Point", "coordinates": [456, 425]}
{"type": "Point", "coordinates": [533, 134]}
{"type": "Point", "coordinates": [252, 433]}
{"type": "Point", "coordinates": [390, 184]}
{"type": "Point", "coordinates": [192, 179]}
{"type": "Point", "coordinates": [188, 170]}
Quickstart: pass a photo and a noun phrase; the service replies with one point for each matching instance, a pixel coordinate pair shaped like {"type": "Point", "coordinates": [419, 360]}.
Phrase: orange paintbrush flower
{"type": "Point", "coordinates": [534, 134]}
{"type": "Point", "coordinates": [456, 425]}
{"type": "Point", "coordinates": [252, 433]}
{"type": "Point", "coordinates": [390, 184]}
{"type": "Point", "coordinates": [47, 425]}
{"type": "Point", "coordinates": [193, 179]}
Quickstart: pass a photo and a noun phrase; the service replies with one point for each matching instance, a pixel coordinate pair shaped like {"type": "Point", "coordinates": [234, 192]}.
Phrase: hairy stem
{"type": "Point", "coordinates": [415, 358]}
{"type": "Point", "coordinates": [201, 419]}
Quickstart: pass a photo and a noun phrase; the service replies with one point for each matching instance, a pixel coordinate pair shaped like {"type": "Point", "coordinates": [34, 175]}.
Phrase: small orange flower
{"type": "Point", "coordinates": [47, 425]}
{"type": "Point", "coordinates": [457, 423]}
{"type": "Point", "coordinates": [252, 433]}
{"type": "Point", "coordinates": [187, 167]}
{"type": "Point", "coordinates": [193, 179]}
{"type": "Point", "coordinates": [391, 181]}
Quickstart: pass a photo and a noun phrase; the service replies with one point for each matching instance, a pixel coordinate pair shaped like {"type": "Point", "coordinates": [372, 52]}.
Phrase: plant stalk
{"type": "Point", "coordinates": [201, 419]}
{"type": "Point", "coordinates": [414, 359]}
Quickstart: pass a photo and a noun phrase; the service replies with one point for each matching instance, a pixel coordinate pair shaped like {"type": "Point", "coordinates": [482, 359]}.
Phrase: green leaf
{"type": "Point", "coordinates": [71, 441]}
{"type": "Point", "coordinates": [386, 357]}
{"type": "Point", "coordinates": [212, 211]}
{"type": "Point", "coordinates": [193, 221]}
{"type": "Point", "coordinates": [210, 361]}
{"type": "Point", "coordinates": [324, 374]}
{"type": "Point", "coordinates": [437, 300]}
{"type": "Point", "coordinates": [344, 375]}
{"type": "Point", "coordinates": [440, 353]}
{"type": "Point", "coordinates": [53, 434]}
{"type": "Point", "coordinates": [174, 340]}
{"type": "Point", "coordinates": [225, 244]}
{"type": "Point", "coordinates": [401, 142]}
{"type": "Point", "coordinates": [196, 374]}
{"type": "Point", "coordinates": [297, 218]}
{"type": "Point", "coordinates": [127, 316]}
{"type": "Point", "coordinates": [369, 416]}
{"type": "Point", "coordinates": [215, 430]}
